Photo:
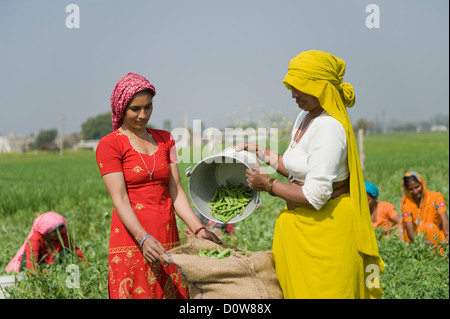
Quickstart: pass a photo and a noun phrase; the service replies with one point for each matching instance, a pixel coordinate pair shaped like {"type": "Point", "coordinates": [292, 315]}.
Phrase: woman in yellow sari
{"type": "Point", "coordinates": [324, 243]}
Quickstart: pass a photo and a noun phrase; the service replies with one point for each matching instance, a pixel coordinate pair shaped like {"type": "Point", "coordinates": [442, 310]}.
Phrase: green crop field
{"type": "Point", "coordinates": [32, 184]}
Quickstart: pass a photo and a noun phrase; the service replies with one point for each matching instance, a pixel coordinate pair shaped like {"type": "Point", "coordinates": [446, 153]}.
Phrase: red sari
{"type": "Point", "coordinates": [36, 251]}
{"type": "Point", "coordinates": [130, 275]}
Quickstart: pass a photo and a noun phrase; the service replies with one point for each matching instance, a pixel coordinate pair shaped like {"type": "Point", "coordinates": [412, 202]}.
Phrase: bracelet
{"type": "Point", "coordinates": [198, 230]}
{"type": "Point", "coordinates": [143, 239]}
{"type": "Point", "coordinates": [269, 187]}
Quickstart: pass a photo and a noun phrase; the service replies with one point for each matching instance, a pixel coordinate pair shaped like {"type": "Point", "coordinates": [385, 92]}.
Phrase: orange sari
{"type": "Point", "coordinates": [426, 218]}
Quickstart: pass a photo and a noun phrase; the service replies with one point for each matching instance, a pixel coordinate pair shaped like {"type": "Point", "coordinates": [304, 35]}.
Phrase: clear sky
{"type": "Point", "coordinates": [216, 59]}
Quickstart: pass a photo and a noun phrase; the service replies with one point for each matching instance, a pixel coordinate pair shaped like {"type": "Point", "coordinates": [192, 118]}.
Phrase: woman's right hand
{"type": "Point", "coordinates": [152, 249]}
{"type": "Point", "coordinates": [258, 150]}
{"type": "Point", "coordinates": [250, 147]}
{"type": "Point", "coordinates": [209, 235]}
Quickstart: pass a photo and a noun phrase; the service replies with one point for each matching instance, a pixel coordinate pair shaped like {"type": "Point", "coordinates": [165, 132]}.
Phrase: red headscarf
{"type": "Point", "coordinates": [124, 91]}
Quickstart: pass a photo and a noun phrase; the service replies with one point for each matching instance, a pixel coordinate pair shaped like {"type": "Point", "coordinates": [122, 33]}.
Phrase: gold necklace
{"type": "Point", "coordinates": [142, 159]}
{"type": "Point", "coordinates": [154, 161]}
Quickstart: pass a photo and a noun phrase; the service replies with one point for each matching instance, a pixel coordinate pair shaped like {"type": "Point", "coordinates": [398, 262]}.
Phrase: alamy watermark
{"type": "Point", "coordinates": [196, 145]}
{"type": "Point", "coordinates": [373, 277]}
{"type": "Point", "coordinates": [73, 19]}
{"type": "Point", "coordinates": [73, 280]}
{"type": "Point", "coordinates": [373, 19]}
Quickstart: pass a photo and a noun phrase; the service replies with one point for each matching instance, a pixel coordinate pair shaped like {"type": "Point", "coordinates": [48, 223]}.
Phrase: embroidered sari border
{"type": "Point", "coordinates": [134, 248]}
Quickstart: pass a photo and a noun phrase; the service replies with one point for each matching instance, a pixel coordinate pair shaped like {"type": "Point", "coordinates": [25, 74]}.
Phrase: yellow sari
{"type": "Point", "coordinates": [330, 253]}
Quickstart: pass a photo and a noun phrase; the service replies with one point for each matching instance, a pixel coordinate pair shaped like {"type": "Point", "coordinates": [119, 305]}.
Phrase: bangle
{"type": "Point", "coordinates": [198, 230]}
{"type": "Point", "coordinates": [143, 239]}
{"type": "Point", "coordinates": [269, 186]}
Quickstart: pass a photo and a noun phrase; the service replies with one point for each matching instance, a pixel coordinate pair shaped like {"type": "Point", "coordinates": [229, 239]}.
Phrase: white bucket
{"type": "Point", "coordinates": [214, 171]}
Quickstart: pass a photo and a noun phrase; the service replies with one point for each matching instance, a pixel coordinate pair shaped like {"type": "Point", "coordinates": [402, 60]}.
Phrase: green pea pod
{"type": "Point", "coordinates": [224, 253]}
{"type": "Point", "coordinates": [229, 201]}
{"type": "Point", "coordinates": [233, 208]}
{"type": "Point", "coordinates": [217, 205]}
{"type": "Point", "coordinates": [211, 253]}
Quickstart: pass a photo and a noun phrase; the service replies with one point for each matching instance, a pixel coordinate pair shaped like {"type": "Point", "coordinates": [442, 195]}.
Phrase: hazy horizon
{"type": "Point", "coordinates": [216, 60]}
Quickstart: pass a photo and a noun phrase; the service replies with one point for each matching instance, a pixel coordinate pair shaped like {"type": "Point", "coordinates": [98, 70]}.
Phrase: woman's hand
{"type": "Point", "coordinates": [257, 179]}
{"type": "Point", "coordinates": [206, 234]}
{"type": "Point", "coordinates": [265, 155]}
{"type": "Point", "coordinates": [183, 207]}
{"type": "Point", "coordinates": [253, 148]}
{"type": "Point", "coordinates": [247, 147]}
{"type": "Point", "coordinates": [152, 249]}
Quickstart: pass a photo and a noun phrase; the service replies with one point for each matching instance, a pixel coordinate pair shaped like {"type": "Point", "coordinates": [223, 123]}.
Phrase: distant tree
{"type": "Point", "coordinates": [439, 119]}
{"type": "Point", "coordinates": [410, 127]}
{"type": "Point", "coordinates": [167, 125]}
{"type": "Point", "coordinates": [362, 124]}
{"type": "Point", "coordinates": [97, 127]}
{"type": "Point", "coordinates": [46, 140]}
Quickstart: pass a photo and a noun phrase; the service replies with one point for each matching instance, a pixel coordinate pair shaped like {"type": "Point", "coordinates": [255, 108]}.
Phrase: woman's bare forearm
{"type": "Point", "coordinates": [119, 196]}
{"type": "Point", "coordinates": [180, 201]}
{"type": "Point", "coordinates": [275, 161]}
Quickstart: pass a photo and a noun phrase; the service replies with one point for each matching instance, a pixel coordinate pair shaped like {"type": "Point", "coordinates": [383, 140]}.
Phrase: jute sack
{"type": "Point", "coordinates": [250, 276]}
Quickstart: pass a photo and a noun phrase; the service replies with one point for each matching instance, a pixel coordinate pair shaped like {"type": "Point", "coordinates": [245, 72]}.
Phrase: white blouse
{"type": "Point", "coordinates": [319, 159]}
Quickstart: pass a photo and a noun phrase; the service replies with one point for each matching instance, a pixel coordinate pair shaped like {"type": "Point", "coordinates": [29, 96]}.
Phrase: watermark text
{"type": "Point", "coordinates": [373, 19]}
{"type": "Point", "coordinates": [73, 19]}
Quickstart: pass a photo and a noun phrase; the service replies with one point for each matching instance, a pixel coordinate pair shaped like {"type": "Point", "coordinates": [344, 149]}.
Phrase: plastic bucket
{"type": "Point", "coordinates": [213, 171]}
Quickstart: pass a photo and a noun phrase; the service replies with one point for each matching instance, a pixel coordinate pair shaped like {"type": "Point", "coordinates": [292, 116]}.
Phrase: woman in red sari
{"type": "Point", "coordinates": [43, 244]}
{"type": "Point", "coordinates": [139, 169]}
{"type": "Point", "coordinates": [423, 211]}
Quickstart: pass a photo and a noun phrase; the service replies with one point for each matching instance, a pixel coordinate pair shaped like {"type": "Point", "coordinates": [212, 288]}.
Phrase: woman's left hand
{"type": "Point", "coordinates": [206, 234]}
{"type": "Point", "coordinates": [257, 179]}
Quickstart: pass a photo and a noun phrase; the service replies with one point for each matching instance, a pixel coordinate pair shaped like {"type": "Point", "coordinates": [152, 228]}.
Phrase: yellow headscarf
{"type": "Point", "coordinates": [320, 74]}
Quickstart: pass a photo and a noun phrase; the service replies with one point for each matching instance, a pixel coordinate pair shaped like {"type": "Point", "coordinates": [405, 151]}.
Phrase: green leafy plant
{"type": "Point", "coordinates": [71, 185]}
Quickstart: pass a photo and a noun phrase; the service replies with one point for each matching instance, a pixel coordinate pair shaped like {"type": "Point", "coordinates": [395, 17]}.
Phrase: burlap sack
{"type": "Point", "coordinates": [250, 276]}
